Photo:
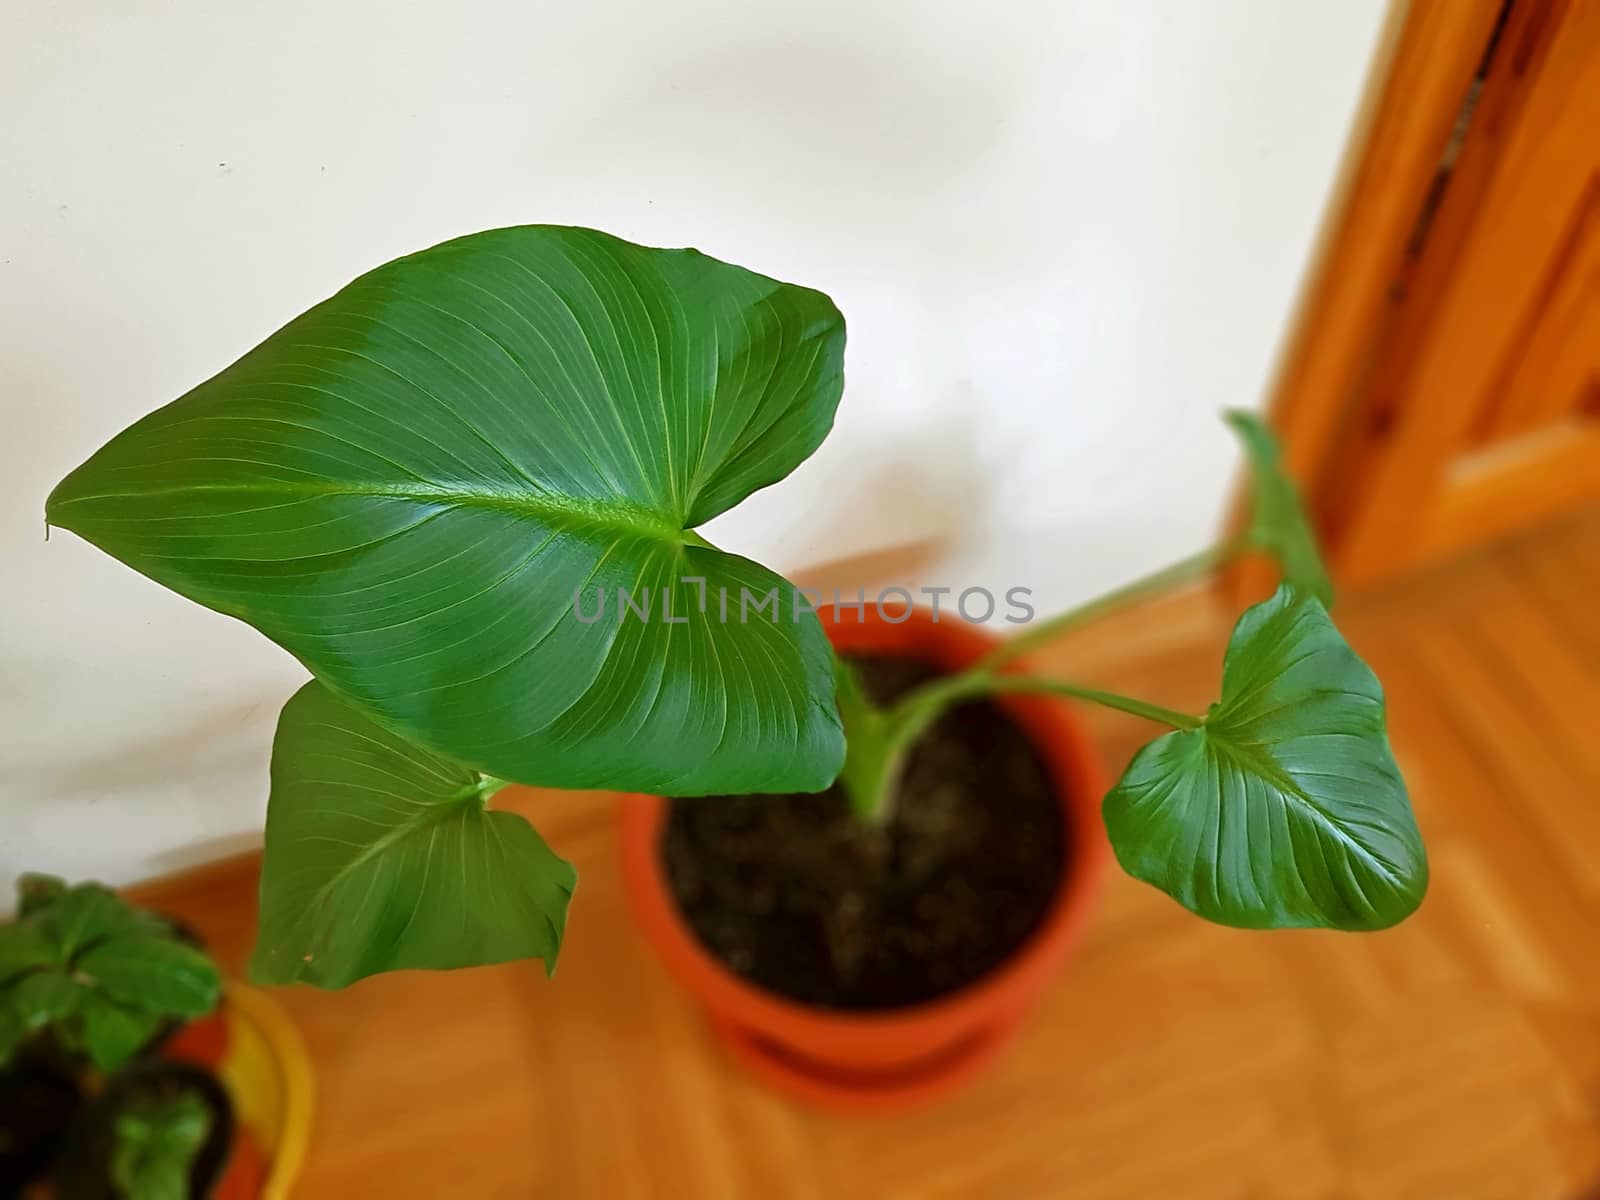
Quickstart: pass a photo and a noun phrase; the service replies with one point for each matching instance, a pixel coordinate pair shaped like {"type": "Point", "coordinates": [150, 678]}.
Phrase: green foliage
{"type": "Point", "coordinates": [12, 1029]}
{"type": "Point", "coordinates": [1285, 807]}
{"type": "Point", "coordinates": [111, 1031]}
{"type": "Point", "coordinates": [1278, 522]}
{"type": "Point", "coordinates": [407, 486]}
{"type": "Point", "coordinates": [155, 1144]}
{"type": "Point", "coordinates": [872, 756]}
{"type": "Point", "coordinates": [381, 855]}
{"type": "Point", "coordinates": [37, 891]}
{"type": "Point", "coordinates": [427, 486]}
{"type": "Point", "coordinates": [152, 972]}
{"type": "Point", "coordinates": [42, 997]}
{"type": "Point", "coordinates": [98, 973]}
{"type": "Point", "coordinates": [83, 916]}
{"type": "Point", "coordinates": [24, 945]}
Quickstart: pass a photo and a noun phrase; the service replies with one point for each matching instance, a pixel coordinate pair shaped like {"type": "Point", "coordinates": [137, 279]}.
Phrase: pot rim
{"type": "Point", "coordinates": [1080, 782]}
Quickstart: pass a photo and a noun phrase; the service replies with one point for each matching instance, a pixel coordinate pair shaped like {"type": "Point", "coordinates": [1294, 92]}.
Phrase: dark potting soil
{"type": "Point", "coordinates": [85, 1173]}
{"type": "Point", "coordinates": [797, 895]}
{"type": "Point", "coordinates": [37, 1105]}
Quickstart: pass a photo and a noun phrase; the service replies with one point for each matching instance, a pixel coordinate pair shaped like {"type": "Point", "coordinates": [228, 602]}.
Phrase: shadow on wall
{"type": "Point", "coordinates": [813, 115]}
{"type": "Point", "coordinates": [219, 746]}
{"type": "Point", "coordinates": [884, 487]}
{"type": "Point", "coordinates": [176, 791]}
{"type": "Point", "coordinates": [204, 850]}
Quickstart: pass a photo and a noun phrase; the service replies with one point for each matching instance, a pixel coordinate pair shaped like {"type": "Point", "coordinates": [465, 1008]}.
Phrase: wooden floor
{"type": "Point", "coordinates": [1454, 1058]}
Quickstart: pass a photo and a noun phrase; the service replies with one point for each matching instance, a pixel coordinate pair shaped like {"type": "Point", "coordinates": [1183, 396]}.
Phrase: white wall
{"type": "Point", "coordinates": [1064, 232]}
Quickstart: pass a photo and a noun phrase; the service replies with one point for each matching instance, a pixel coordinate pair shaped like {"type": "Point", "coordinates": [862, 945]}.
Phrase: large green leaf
{"type": "Point", "coordinates": [158, 974]}
{"type": "Point", "coordinates": [1285, 807]}
{"type": "Point", "coordinates": [381, 855]}
{"type": "Point", "coordinates": [1278, 522]}
{"type": "Point", "coordinates": [406, 486]}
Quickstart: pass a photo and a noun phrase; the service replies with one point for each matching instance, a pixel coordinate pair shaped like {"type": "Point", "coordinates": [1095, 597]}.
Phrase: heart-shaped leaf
{"type": "Point", "coordinates": [381, 855]}
{"type": "Point", "coordinates": [408, 486]}
{"type": "Point", "coordinates": [1278, 522]}
{"type": "Point", "coordinates": [1285, 808]}
{"type": "Point", "coordinates": [158, 974]}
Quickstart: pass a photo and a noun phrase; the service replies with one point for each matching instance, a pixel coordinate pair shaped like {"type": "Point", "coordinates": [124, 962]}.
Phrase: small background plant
{"type": "Point", "coordinates": [87, 985]}
{"type": "Point", "coordinates": [157, 1142]}
{"type": "Point", "coordinates": [93, 974]}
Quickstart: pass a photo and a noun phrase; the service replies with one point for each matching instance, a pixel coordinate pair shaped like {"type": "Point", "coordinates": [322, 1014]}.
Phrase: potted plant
{"type": "Point", "coordinates": [464, 493]}
{"type": "Point", "coordinates": [107, 1085]}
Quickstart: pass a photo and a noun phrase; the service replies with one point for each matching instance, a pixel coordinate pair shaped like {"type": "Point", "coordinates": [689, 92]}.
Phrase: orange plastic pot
{"type": "Point", "coordinates": [245, 1175]}
{"type": "Point", "coordinates": [202, 1042]}
{"type": "Point", "coordinates": [897, 1058]}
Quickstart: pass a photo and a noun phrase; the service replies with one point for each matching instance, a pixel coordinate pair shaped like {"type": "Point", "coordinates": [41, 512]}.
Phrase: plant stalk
{"type": "Point", "coordinates": [1182, 571]}
{"type": "Point", "coordinates": [928, 703]}
{"type": "Point", "coordinates": [879, 739]}
{"type": "Point", "coordinates": [488, 785]}
{"type": "Point", "coordinates": [872, 763]}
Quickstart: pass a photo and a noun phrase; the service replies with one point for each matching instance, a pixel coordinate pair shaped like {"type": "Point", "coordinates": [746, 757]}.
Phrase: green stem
{"type": "Point", "coordinates": [878, 740]}
{"type": "Point", "coordinates": [1181, 571]}
{"type": "Point", "coordinates": [871, 763]}
{"type": "Point", "coordinates": [488, 785]}
{"type": "Point", "coordinates": [919, 709]}
{"type": "Point", "coordinates": [871, 774]}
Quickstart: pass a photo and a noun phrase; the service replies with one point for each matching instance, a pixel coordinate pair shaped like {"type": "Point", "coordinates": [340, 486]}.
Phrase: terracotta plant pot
{"type": "Point", "coordinates": [885, 1060]}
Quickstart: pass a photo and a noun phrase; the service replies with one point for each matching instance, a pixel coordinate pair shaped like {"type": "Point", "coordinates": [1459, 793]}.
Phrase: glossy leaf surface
{"type": "Point", "coordinates": [381, 855]}
{"type": "Point", "coordinates": [407, 486]}
{"type": "Point", "coordinates": [1285, 808]}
